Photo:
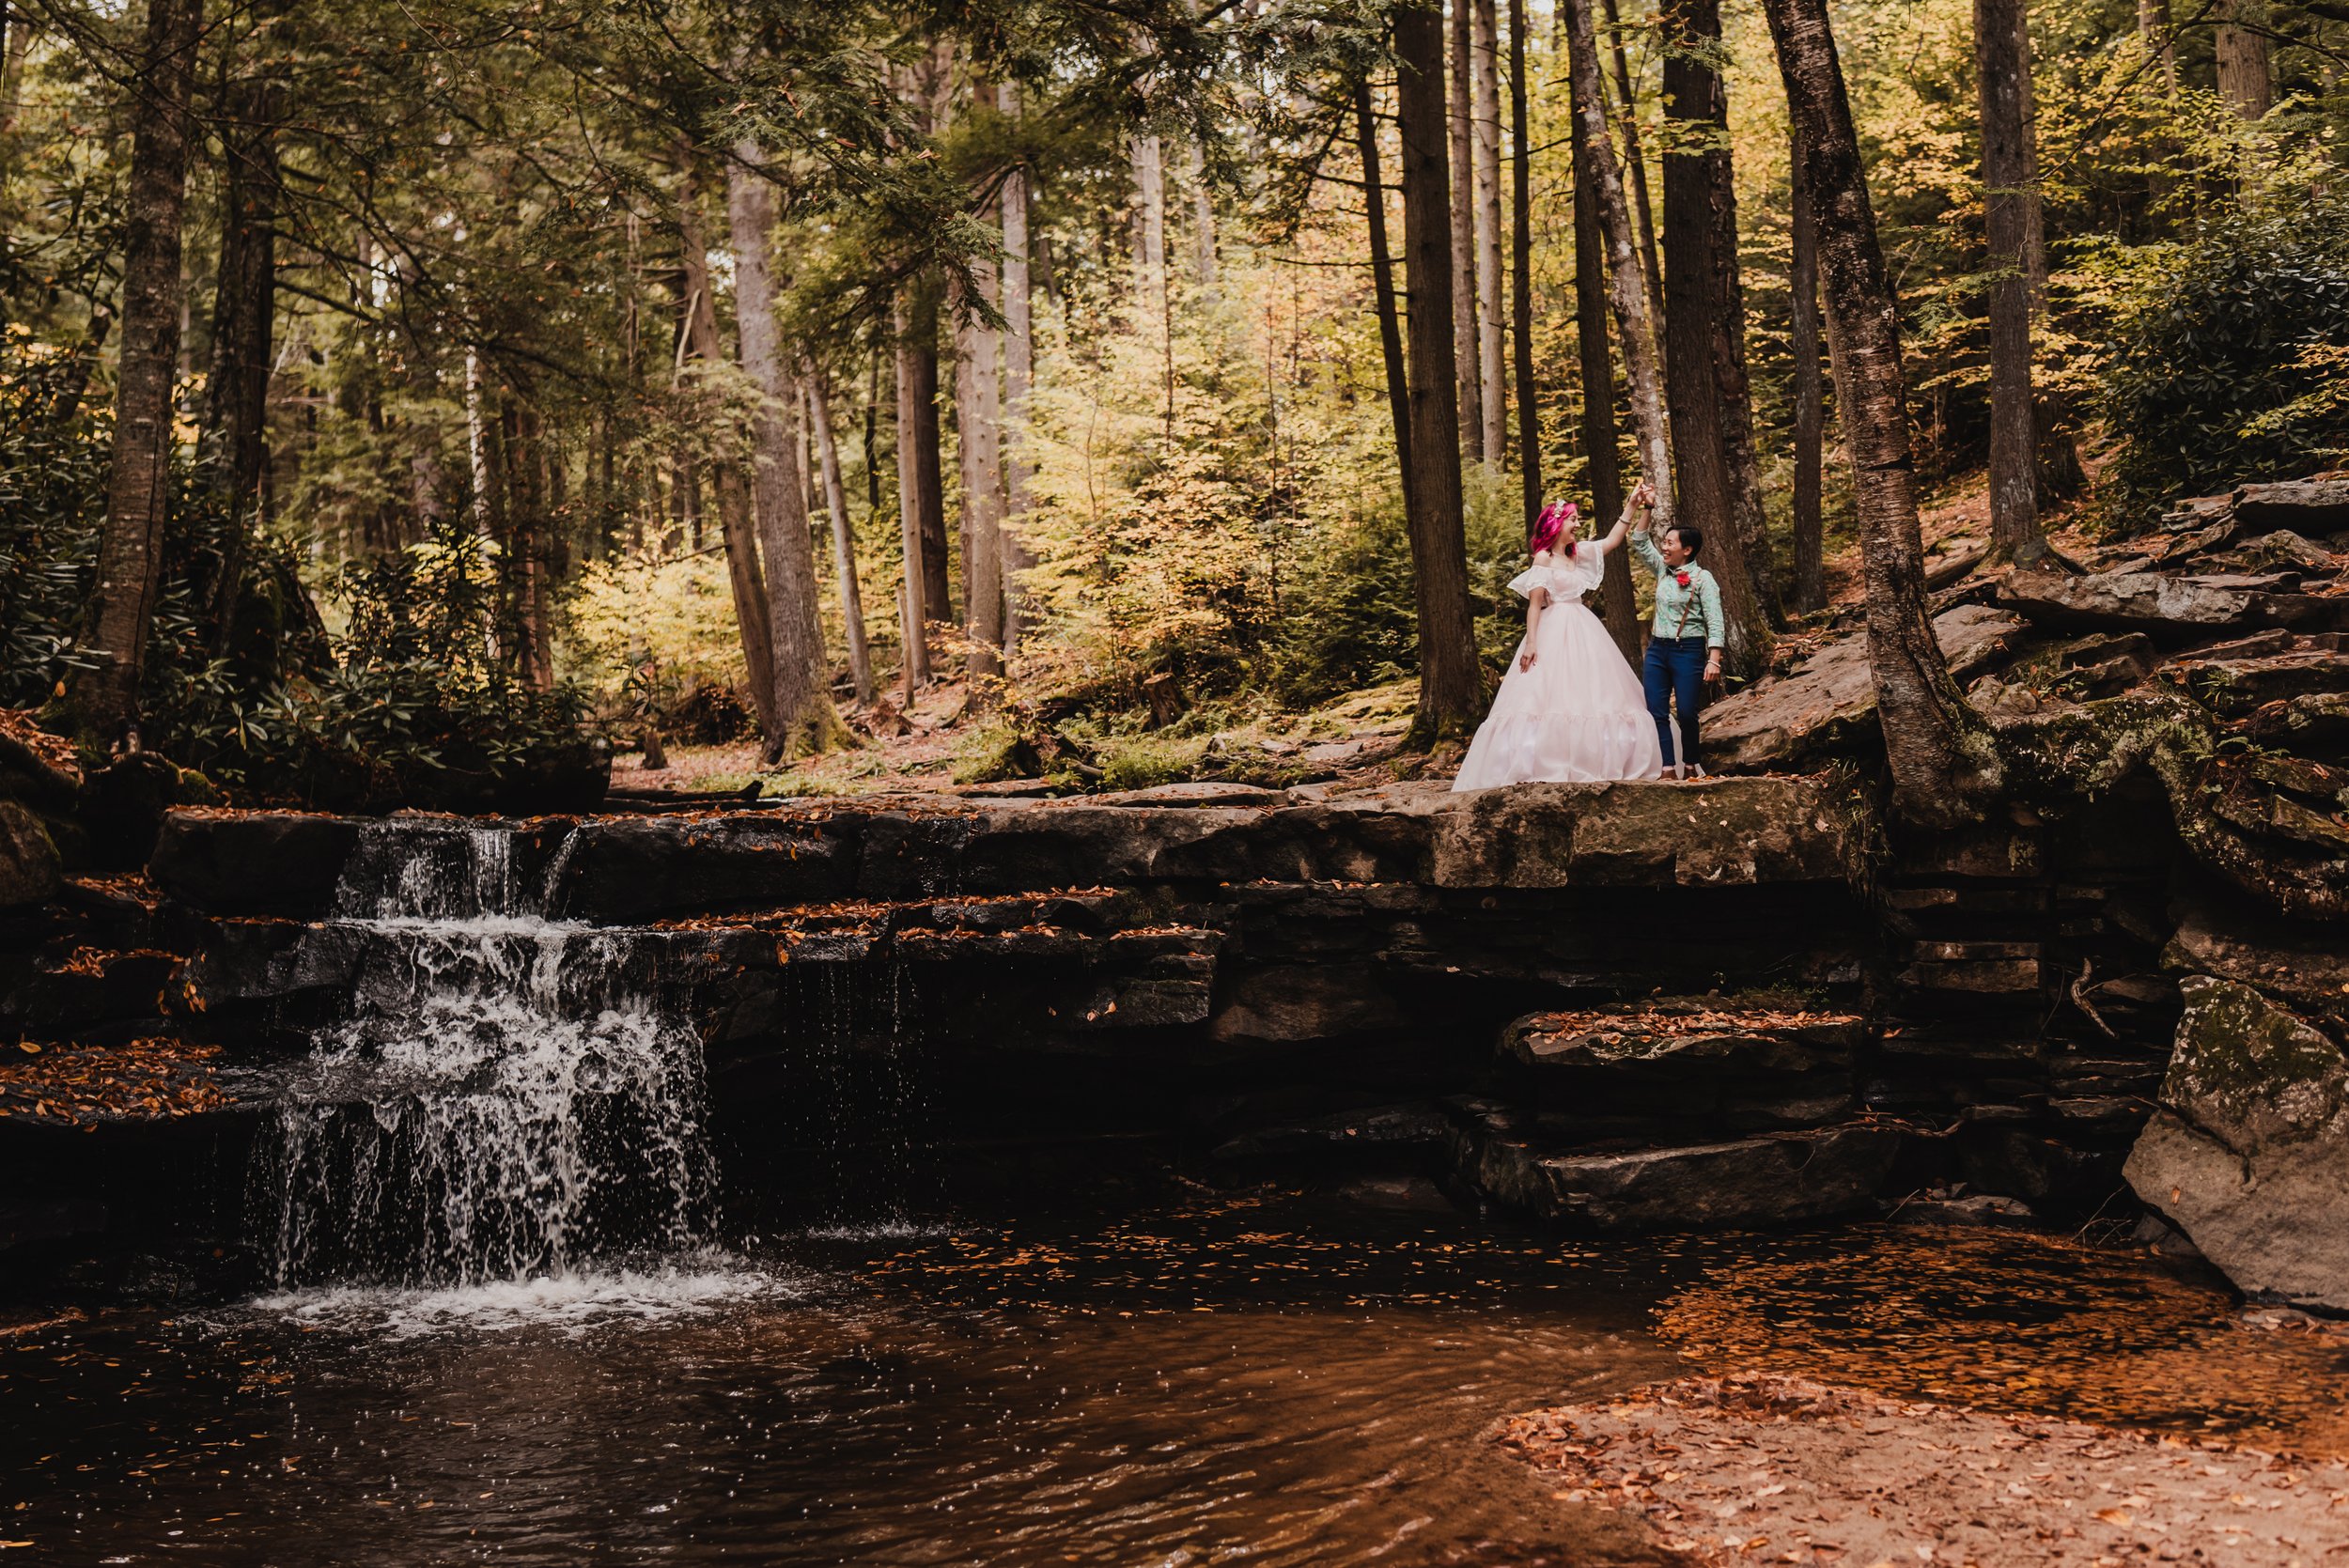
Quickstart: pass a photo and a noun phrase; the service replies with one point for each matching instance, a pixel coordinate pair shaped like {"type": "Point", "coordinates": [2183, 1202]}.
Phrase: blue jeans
{"type": "Point", "coordinates": [1675, 668]}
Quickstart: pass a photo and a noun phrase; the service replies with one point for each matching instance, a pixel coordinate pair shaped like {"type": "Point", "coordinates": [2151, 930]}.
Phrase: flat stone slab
{"type": "Point", "coordinates": [1795, 719]}
{"type": "Point", "coordinates": [1772, 1179]}
{"type": "Point", "coordinates": [635, 869]}
{"type": "Point", "coordinates": [1634, 1038]}
{"type": "Point", "coordinates": [2167, 609]}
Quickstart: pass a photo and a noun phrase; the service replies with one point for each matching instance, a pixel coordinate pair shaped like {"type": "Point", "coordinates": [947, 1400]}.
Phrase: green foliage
{"type": "Point", "coordinates": [2228, 363]}
{"type": "Point", "coordinates": [1147, 761]}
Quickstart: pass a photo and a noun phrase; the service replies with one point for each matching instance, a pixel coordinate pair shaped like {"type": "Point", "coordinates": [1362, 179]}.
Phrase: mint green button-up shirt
{"type": "Point", "coordinates": [1691, 612]}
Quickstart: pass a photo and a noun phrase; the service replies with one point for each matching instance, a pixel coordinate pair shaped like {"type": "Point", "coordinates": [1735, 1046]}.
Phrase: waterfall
{"type": "Point", "coordinates": [506, 1097]}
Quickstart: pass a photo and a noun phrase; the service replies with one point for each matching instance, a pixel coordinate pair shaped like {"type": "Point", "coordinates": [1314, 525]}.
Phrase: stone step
{"type": "Point", "coordinates": [1771, 1179]}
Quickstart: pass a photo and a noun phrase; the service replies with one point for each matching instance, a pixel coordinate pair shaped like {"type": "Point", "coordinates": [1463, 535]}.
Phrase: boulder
{"type": "Point", "coordinates": [2170, 610]}
{"type": "Point", "coordinates": [268, 862]}
{"type": "Point", "coordinates": [1791, 721]}
{"type": "Point", "coordinates": [30, 871]}
{"type": "Point", "coordinates": [2249, 1152]}
{"type": "Point", "coordinates": [123, 805]}
{"type": "Point", "coordinates": [1773, 1179]}
{"type": "Point", "coordinates": [1720, 832]}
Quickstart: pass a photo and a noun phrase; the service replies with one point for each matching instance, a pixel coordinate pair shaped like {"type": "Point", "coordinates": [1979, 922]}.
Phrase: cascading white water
{"type": "Point", "coordinates": [507, 1100]}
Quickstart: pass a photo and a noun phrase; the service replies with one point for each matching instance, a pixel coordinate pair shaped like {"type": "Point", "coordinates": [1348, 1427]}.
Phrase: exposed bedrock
{"type": "Point", "coordinates": [2249, 1152]}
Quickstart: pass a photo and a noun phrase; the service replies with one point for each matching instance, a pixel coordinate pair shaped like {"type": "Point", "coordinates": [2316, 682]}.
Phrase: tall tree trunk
{"type": "Point", "coordinates": [2246, 80]}
{"type": "Point", "coordinates": [916, 412]}
{"type": "Point", "coordinates": [745, 579]}
{"type": "Point", "coordinates": [1451, 687]}
{"type": "Point", "coordinates": [807, 722]}
{"type": "Point", "coordinates": [245, 311]}
{"type": "Point", "coordinates": [1460, 60]}
{"type": "Point", "coordinates": [923, 439]}
{"type": "Point", "coordinates": [1802, 284]}
{"type": "Point", "coordinates": [1493, 393]}
{"type": "Point", "coordinates": [843, 538]}
{"type": "Point", "coordinates": [1697, 110]}
{"type": "Point", "coordinates": [1618, 597]}
{"type": "Point", "coordinates": [1634, 159]}
{"type": "Point", "coordinates": [1018, 371]}
{"type": "Point", "coordinates": [1383, 281]}
{"type": "Point", "coordinates": [1943, 762]}
{"type": "Point", "coordinates": [1522, 272]}
{"type": "Point", "coordinates": [1626, 287]}
{"type": "Point", "coordinates": [532, 549]}
{"type": "Point", "coordinates": [979, 418]}
{"type": "Point", "coordinates": [2002, 64]}
{"type": "Point", "coordinates": [104, 697]}
{"type": "Point", "coordinates": [2152, 26]}
{"type": "Point", "coordinates": [1153, 303]}
{"type": "Point", "coordinates": [1201, 222]}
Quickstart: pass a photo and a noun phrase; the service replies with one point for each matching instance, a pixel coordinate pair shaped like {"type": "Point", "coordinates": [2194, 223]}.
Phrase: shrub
{"type": "Point", "coordinates": [2228, 360]}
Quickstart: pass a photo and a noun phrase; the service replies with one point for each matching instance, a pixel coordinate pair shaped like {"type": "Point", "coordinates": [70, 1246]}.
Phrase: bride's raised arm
{"type": "Point", "coordinates": [1640, 498]}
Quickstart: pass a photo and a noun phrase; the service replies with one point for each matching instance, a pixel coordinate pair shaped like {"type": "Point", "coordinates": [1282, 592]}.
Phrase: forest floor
{"type": "Point", "coordinates": [1762, 1468]}
{"type": "Point", "coordinates": [1355, 739]}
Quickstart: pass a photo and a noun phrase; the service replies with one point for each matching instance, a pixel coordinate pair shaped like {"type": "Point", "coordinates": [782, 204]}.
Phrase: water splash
{"type": "Point", "coordinates": [506, 1102]}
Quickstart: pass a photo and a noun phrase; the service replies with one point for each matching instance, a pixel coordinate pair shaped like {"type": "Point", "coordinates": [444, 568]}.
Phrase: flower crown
{"type": "Point", "coordinates": [1559, 516]}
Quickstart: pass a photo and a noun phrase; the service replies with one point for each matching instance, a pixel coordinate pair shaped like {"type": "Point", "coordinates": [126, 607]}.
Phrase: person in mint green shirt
{"type": "Point", "coordinates": [1684, 644]}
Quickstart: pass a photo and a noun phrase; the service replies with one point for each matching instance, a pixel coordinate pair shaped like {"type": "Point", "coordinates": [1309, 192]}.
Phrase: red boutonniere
{"type": "Point", "coordinates": [1681, 577]}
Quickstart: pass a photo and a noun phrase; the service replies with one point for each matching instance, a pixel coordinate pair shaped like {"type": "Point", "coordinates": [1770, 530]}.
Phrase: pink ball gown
{"type": "Point", "coordinates": [1578, 716]}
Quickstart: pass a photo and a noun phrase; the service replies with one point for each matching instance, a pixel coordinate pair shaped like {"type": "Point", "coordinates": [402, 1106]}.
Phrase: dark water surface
{"type": "Point", "coordinates": [1264, 1382]}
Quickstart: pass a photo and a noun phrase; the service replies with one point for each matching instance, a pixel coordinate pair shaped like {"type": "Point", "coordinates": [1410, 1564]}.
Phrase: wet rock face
{"type": "Point", "coordinates": [2249, 1154]}
{"type": "Point", "coordinates": [29, 867]}
{"type": "Point", "coordinates": [254, 862]}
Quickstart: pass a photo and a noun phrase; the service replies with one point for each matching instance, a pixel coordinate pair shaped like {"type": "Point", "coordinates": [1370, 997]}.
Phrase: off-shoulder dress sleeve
{"type": "Point", "coordinates": [1579, 573]}
{"type": "Point", "coordinates": [1529, 579]}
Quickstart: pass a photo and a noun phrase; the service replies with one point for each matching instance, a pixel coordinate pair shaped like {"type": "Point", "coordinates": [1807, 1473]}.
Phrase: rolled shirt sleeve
{"type": "Point", "coordinates": [1714, 625]}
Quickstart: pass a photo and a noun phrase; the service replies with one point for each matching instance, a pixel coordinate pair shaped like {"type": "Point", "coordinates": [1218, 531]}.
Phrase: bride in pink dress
{"type": "Point", "coordinates": [1570, 711]}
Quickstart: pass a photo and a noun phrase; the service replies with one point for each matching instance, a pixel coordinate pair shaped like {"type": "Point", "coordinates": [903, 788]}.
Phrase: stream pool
{"type": "Point", "coordinates": [1265, 1379]}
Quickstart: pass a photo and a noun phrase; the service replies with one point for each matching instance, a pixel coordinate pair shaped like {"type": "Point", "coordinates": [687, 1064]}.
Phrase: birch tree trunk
{"type": "Point", "coordinates": [1451, 687]}
{"type": "Point", "coordinates": [1802, 286]}
{"type": "Point", "coordinates": [104, 698]}
{"type": "Point", "coordinates": [1460, 129]}
{"type": "Point", "coordinates": [818, 400]}
{"type": "Point", "coordinates": [807, 722]}
{"type": "Point", "coordinates": [2002, 68]}
{"type": "Point", "coordinates": [1618, 597]}
{"type": "Point", "coordinates": [1633, 157]}
{"type": "Point", "coordinates": [745, 580]}
{"type": "Point", "coordinates": [1492, 391]}
{"type": "Point", "coordinates": [1943, 762]}
{"type": "Point", "coordinates": [1018, 371]}
{"type": "Point", "coordinates": [1201, 222]}
{"type": "Point", "coordinates": [1152, 302]}
{"type": "Point", "coordinates": [1626, 285]}
{"type": "Point", "coordinates": [1383, 281]}
{"type": "Point", "coordinates": [1522, 272]}
{"type": "Point", "coordinates": [912, 396]}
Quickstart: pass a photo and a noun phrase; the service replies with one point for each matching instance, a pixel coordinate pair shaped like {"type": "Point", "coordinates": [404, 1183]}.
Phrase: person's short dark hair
{"type": "Point", "coordinates": [1691, 539]}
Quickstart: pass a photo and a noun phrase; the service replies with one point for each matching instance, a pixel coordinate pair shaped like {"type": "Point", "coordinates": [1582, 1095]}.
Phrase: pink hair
{"type": "Point", "coordinates": [1558, 517]}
